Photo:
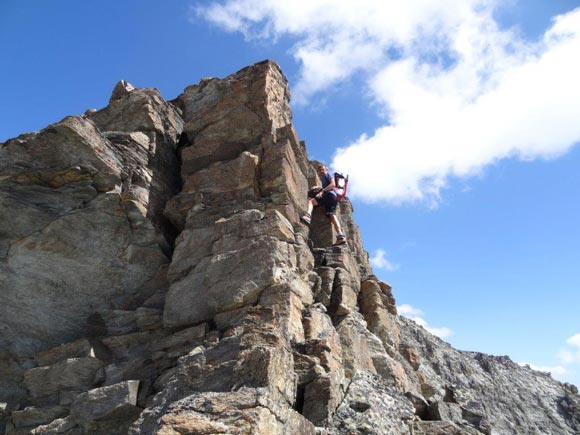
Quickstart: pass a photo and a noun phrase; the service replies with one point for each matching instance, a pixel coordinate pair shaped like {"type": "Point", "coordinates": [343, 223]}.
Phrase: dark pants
{"type": "Point", "coordinates": [329, 202]}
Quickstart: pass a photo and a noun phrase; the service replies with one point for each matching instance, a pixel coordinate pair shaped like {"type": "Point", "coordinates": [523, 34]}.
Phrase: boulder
{"type": "Point", "coordinates": [225, 117]}
{"type": "Point", "coordinates": [82, 348]}
{"type": "Point", "coordinates": [133, 109]}
{"type": "Point", "coordinates": [66, 425]}
{"type": "Point", "coordinates": [245, 411]}
{"type": "Point", "coordinates": [321, 398]}
{"type": "Point", "coordinates": [343, 300]}
{"type": "Point", "coordinates": [445, 411]}
{"type": "Point", "coordinates": [105, 403]}
{"type": "Point", "coordinates": [317, 324]}
{"type": "Point", "coordinates": [83, 242]}
{"type": "Point", "coordinates": [73, 374]}
{"type": "Point", "coordinates": [288, 300]}
{"type": "Point", "coordinates": [33, 416]}
{"type": "Point", "coordinates": [356, 352]}
{"type": "Point", "coordinates": [326, 285]}
{"type": "Point", "coordinates": [374, 305]}
{"type": "Point", "coordinates": [370, 406]}
{"type": "Point", "coordinates": [12, 389]}
{"type": "Point", "coordinates": [247, 253]}
{"type": "Point", "coordinates": [220, 183]}
{"type": "Point", "coordinates": [443, 428]}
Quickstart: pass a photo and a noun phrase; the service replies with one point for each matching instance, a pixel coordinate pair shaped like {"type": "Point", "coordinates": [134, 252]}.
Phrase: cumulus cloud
{"type": "Point", "coordinates": [380, 261]}
{"type": "Point", "coordinates": [417, 316]}
{"type": "Point", "coordinates": [574, 341]}
{"type": "Point", "coordinates": [408, 310]}
{"type": "Point", "coordinates": [569, 361]}
{"type": "Point", "coordinates": [457, 91]}
{"type": "Point", "coordinates": [571, 354]}
{"type": "Point", "coordinates": [566, 356]}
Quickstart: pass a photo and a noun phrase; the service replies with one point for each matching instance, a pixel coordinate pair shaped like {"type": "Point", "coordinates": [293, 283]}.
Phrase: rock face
{"type": "Point", "coordinates": [81, 226]}
{"type": "Point", "coordinates": [156, 280]}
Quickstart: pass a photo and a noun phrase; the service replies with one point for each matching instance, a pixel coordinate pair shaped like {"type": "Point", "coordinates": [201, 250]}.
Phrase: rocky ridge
{"type": "Point", "coordinates": [156, 280]}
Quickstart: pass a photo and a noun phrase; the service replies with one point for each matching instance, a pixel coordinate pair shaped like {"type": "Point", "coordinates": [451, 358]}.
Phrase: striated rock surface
{"type": "Point", "coordinates": [156, 280]}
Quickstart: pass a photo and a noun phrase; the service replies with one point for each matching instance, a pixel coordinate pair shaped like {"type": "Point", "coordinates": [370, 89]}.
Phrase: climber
{"type": "Point", "coordinates": [327, 196]}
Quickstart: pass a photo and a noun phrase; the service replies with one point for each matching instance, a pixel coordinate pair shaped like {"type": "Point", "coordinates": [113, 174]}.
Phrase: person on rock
{"type": "Point", "coordinates": [325, 195]}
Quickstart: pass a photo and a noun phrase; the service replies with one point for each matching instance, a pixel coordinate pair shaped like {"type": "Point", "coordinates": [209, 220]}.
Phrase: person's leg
{"type": "Point", "coordinates": [340, 237]}
{"type": "Point", "coordinates": [306, 217]}
{"type": "Point", "coordinates": [335, 223]}
{"type": "Point", "coordinates": [331, 204]}
{"type": "Point", "coordinates": [311, 204]}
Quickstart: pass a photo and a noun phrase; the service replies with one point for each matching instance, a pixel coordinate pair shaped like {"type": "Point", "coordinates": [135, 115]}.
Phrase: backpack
{"type": "Point", "coordinates": [341, 185]}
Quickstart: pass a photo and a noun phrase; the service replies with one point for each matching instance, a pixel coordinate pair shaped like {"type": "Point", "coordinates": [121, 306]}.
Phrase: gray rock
{"type": "Point", "coordinates": [343, 300]}
{"type": "Point", "coordinates": [249, 253]}
{"type": "Point", "coordinates": [218, 184]}
{"type": "Point", "coordinates": [132, 109]}
{"type": "Point", "coordinates": [149, 318]}
{"type": "Point", "coordinates": [83, 242]}
{"type": "Point", "coordinates": [4, 414]}
{"type": "Point", "coordinates": [120, 322]}
{"type": "Point", "coordinates": [327, 281]}
{"type": "Point", "coordinates": [288, 300]}
{"type": "Point", "coordinates": [445, 411]}
{"type": "Point", "coordinates": [65, 425]}
{"type": "Point", "coordinates": [489, 390]}
{"type": "Point", "coordinates": [371, 407]}
{"type": "Point", "coordinates": [12, 389]}
{"type": "Point", "coordinates": [356, 351]}
{"type": "Point", "coordinates": [317, 324]}
{"type": "Point", "coordinates": [420, 404]}
{"type": "Point", "coordinates": [376, 301]}
{"type": "Point", "coordinates": [359, 254]}
{"type": "Point", "coordinates": [105, 403]}
{"type": "Point", "coordinates": [442, 428]}
{"type": "Point", "coordinates": [122, 347]}
{"type": "Point", "coordinates": [33, 416]}
{"type": "Point", "coordinates": [322, 233]}
{"type": "Point", "coordinates": [164, 237]}
{"type": "Point", "coordinates": [73, 374]}
{"type": "Point", "coordinates": [189, 336]}
{"type": "Point", "coordinates": [225, 117]}
{"type": "Point", "coordinates": [282, 173]}
{"type": "Point", "coordinates": [244, 411]}
{"type": "Point", "coordinates": [81, 348]}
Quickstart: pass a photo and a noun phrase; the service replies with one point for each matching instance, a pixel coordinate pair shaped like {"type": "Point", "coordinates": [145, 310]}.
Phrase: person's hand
{"type": "Point", "coordinates": [319, 195]}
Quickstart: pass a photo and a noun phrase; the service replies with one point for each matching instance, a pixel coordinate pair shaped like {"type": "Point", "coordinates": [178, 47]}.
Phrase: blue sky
{"type": "Point", "coordinates": [457, 120]}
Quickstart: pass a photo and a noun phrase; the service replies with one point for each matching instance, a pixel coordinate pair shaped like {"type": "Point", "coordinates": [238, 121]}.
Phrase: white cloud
{"type": "Point", "coordinates": [380, 261]}
{"type": "Point", "coordinates": [566, 357]}
{"type": "Point", "coordinates": [416, 315]}
{"type": "Point", "coordinates": [569, 362]}
{"type": "Point", "coordinates": [574, 341]}
{"type": "Point", "coordinates": [440, 332]}
{"type": "Point", "coordinates": [408, 310]}
{"type": "Point", "coordinates": [571, 354]}
{"type": "Point", "coordinates": [458, 92]}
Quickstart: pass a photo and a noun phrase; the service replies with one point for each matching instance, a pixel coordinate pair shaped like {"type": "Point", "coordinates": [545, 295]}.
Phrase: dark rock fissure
{"type": "Point", "coordinates": [299, 402]}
